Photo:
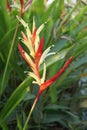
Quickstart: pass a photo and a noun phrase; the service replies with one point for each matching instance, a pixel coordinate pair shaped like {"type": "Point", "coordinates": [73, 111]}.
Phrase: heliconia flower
{"type": "Point", "coordinates": [36, 56]}
{"type": "Point", "coordinates": [22, 7]}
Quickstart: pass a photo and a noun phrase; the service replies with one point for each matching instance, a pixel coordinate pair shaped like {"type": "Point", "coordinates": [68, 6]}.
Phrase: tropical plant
{"type": "Point", "coordinates": [63, 104]}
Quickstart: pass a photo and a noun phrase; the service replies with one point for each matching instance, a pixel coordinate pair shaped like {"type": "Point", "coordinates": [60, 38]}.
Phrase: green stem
{"type": "Point", "coordinates": [9, 56]}
{"type": "Point", "coordinates": [32, 108]}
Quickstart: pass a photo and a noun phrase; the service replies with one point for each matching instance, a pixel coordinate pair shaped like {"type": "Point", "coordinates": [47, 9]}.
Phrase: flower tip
{"type": "Point", "coordinates": [45, 23]}
{"type": "Point", "coordinates": [19, 18]}
{"type": "Point", "coordinates": [20, 48]}
{"type": "Point", "coordinates": [21, 2]}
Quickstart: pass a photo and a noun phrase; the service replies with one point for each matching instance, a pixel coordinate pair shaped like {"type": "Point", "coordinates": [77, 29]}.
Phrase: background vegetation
{"type": "Point", "coordinates": [63, 105]}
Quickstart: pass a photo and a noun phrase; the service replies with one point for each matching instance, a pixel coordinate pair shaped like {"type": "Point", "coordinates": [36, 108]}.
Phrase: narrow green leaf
{"type": "Point", "coordinates": [7, 62]}
{"type": "Point", "coordinates": [55, 107]}
{"type": "Point", "coordinates": [67, 17]}
{"type": "Point", "coordinates": [19, 123]}
{"type": "Point", "coordinates": [28, 96]}
{"type": "Point", "coordinates": [4, 126]}
{"type": "Point", "coordinates": [82, 60]}
{"type": "Point", "coordinates": [58, 9]}
{"type": "Point", "coordinates": [6, 80]}
{"type": "Point", "coordinates": [79, 30]}
{"type": "Point", "coordinates": [60, 55]}
{"type": "Point", "coordinates": [6, 22]}
{"type": "Point", "coordinates": [81, 48]}
{"type": "Point", "coordinates": [78, 18]}
{"type": "Point", "coordinates": [15, 99]}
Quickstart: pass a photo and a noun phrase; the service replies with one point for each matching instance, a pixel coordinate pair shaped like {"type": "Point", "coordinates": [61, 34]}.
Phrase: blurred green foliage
{"type": "Point", "coordinates": [63, 105]}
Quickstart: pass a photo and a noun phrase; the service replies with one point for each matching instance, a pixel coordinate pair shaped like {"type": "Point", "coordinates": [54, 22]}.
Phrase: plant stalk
{"type": "Point", "coordinates": [32, 108]}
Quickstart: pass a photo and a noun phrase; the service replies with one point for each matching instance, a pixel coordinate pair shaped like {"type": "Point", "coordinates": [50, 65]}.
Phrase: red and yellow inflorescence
{"type": "Point", "coordinates": [21, 5]}
{"type": "Point", "coordinates": [36, 56]}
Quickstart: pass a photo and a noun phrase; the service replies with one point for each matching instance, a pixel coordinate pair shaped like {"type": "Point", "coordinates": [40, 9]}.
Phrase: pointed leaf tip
{"type": "Point", "coordinates": [20, 48]}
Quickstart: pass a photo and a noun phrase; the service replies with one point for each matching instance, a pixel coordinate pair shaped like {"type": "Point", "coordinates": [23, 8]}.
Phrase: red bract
{"type": "Point", "coordinates": [21, 2]}
{"type": "Point", "coordinates": [52, 80]}
{"type": "Point", "coordinates": [22, 51]}
{"type": "Point", "coordinates": [8, 5]}
{"type": "Point", "coordinates": [33, 37]}
{"type": "Point", "coordinates": [24, 56]}
{"type": "Point", "coordinates": [28, 60]}
{"type": "Point", "coordinates": [39, 52]}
